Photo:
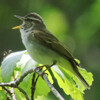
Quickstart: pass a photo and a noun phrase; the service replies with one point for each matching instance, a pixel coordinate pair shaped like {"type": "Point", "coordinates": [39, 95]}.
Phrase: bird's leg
{"type": "Point", "coordinates": [48, 67]}
{"type": "Point", "coordinates": [39, 68]}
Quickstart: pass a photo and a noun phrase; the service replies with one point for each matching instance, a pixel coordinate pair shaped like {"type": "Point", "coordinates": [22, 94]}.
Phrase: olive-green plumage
{"type": "Point", "coordinates": [44, 47]}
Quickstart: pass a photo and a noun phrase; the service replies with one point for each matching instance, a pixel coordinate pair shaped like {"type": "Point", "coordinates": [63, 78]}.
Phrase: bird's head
{"type": "Point", "coordinates": [32, 20]}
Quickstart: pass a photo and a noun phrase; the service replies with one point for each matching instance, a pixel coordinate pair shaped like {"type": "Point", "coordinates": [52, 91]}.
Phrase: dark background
{"type": "Point", "coordinates": [74, 22]}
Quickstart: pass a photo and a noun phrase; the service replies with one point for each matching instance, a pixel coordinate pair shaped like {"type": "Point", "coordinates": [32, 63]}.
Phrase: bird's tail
{"type": "Point", "coordinates": [79, 76]}
{"type": "Point", "coordinates": [83, 81]}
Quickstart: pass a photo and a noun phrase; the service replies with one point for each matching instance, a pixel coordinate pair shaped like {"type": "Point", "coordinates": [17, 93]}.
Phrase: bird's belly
{"type": "Point", "coordinates": [45, 56]}
{"type": "Point", "coordinates": [41, 54]}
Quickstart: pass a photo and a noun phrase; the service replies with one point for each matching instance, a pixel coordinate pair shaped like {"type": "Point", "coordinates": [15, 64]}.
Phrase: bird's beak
{"type": "Point", "coordinates": [17, 27]}
{"type": "Point", "coordinates": [21, 18]}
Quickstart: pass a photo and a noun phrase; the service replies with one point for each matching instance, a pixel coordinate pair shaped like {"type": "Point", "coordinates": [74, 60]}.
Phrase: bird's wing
{"type": "Point", "coordinates": [49, 40]}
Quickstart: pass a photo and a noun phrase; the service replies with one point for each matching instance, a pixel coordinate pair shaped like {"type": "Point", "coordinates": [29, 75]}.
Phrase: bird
{"type": "Point", "coordinates": [44, 47]}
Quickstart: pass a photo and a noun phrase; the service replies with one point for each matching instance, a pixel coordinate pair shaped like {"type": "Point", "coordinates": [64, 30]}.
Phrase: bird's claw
{"type": "Point", "coordinates": [43, 73]}
{"type": "Point", "coordinates": [47, 67]}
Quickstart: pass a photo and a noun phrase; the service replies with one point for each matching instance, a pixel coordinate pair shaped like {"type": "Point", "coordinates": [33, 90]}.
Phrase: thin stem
{"type": "Point", "coordinates": [33, 87]}
{"type": "Point", "coordinates": [25, 94]}
{"type": "Point", "coordinates": [8, 93]}
{"type": "Point", "coordinates": [34, 81]}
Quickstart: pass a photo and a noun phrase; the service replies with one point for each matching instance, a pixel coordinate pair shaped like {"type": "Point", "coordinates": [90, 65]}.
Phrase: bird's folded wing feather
{"type": "Point", "coordinates": [50, 41]}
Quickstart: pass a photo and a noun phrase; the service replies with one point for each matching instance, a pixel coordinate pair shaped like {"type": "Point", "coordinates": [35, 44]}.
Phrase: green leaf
{"type": "Point", "coordinates": [58, 71]}
{"type": "Point", "coordinates": [24, 64]}
{"type": "Point", "coordinates": [66, 80]}
{"type": "Point", "coordinates": [9, 63]}
{"type": "Point", "coordinates": [41, 88]}
{"type": "Point", "coordinates": [87, 75]}
{"type": "Point", "coordinates": [2, 95]}
{"type": "Point", "coordinates": [26, 84]}
{"type": "Point", "coordinates": [68, 85]}
{"type": "Point", "coordinates": [19, 95]}
{"type": "Point", "coordinates": [50, 96]}
{"type": "Point", "coordinates": [71, 85]}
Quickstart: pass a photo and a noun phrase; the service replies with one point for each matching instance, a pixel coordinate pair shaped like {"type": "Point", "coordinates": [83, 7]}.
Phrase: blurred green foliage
{"type": "Point", "coordinates": [75, 22]}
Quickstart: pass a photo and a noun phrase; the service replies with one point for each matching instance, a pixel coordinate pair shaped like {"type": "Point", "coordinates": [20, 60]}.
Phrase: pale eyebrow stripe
{"type": "Point", "coordinates": [35, 16]}
{"type": "Point", "coordinates": [32, 19]}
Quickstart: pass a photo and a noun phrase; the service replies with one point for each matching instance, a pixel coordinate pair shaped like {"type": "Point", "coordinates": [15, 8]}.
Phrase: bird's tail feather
{"type": "Point", "coordinates": [79, 76]}
{"type": "Point", "coordinates": [82, 80]}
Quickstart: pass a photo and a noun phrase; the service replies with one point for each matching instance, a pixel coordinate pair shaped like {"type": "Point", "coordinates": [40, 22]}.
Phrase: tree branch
{"type": "Point", "coordinates": [55, 92]}
{"type": "Point", "coordinates": [25, 94]}
{"type": "Point", "coordinates": [16, 82]}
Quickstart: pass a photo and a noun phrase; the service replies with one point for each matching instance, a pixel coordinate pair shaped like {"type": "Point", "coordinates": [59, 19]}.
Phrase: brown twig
{"type": "Point", "coordinates": [33, 87]}
{"type": "Point", "coordinates": [34, 81]}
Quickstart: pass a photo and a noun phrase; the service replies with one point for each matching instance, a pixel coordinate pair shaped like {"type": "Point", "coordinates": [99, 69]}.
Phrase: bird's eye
{"type": "Point", "coordinates": [23, 24]}
{"type": "Point", "coordinates": [27, 24]}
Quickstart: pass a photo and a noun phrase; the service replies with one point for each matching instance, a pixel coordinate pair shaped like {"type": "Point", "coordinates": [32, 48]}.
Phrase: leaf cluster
{"type": "Point", "coordinates": [18, 62]}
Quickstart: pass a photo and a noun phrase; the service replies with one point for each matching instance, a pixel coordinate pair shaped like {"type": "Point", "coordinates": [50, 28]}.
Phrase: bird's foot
{"type": "Point", "coordinates": [48, 67]}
